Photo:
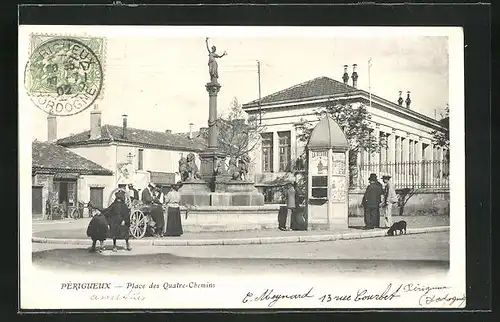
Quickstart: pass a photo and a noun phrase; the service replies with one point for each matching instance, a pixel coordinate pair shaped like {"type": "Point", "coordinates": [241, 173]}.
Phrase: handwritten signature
{"type": "Point", "coordinates": [427, 299]}
{"type": "Point", "coordinates": [273, 298]}
{"type": "Point", "coordinates": [131, 295]}
{"type": "Point", "coordinates": [434, 294]}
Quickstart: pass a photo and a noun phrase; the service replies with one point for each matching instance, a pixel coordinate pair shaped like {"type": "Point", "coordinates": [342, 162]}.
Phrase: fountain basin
{"type": "Point", "coordinates": [230, 218]}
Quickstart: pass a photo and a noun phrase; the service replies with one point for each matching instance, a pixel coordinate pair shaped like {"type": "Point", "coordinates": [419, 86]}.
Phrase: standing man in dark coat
{"type": "Point", "coordinates": [371, 202]}
{"type": "Point", "coordinates": [290, 206]}
{"type": "Point", "coordinates": [135, 193]}
{"type": "Point", "coordinates": [156, 210]}
{"type": "Point", "coordinates": [118, 218]}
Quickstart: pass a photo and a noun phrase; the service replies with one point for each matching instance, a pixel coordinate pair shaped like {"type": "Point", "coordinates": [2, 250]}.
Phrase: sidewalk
{"type": "Point", "coordinates": [74, 232]}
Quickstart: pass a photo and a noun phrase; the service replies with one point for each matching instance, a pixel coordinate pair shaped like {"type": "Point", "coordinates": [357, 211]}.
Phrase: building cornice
{"type": "Point", "coordinates": [50, 170]}
{"type": "Point", "coordinates": [377, 102]}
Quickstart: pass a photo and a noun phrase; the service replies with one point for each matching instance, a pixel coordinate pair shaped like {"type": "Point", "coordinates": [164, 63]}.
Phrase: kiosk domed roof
{"type": "Point", "coordinates": [327, 134]}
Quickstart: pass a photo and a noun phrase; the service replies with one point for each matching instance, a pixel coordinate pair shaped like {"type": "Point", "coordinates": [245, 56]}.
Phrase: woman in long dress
{"type": "Point", "coordinates": [212, 62]}
{"type": "Point", "coordinates": [118, 218]}
{"type": "Point", "coordinates": [172, 201]}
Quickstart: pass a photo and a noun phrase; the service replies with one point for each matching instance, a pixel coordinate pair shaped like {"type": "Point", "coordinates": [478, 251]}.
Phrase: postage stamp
{"type": "Point", "coordinates": [64, 75]}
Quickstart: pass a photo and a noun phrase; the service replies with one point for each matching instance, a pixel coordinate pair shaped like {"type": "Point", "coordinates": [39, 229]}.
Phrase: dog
{"type": "Point", "coordinates": [399, 226]}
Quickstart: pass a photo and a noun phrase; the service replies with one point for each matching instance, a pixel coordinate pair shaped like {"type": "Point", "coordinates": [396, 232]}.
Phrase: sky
{"type": "Point", "coordinates": [158, 77]}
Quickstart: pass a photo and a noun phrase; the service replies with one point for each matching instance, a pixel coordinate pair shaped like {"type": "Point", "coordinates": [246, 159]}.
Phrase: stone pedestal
{"type": "Point", "coordinates": [208, 165]}
{"type": "Point", "coordinates": [195, 193]}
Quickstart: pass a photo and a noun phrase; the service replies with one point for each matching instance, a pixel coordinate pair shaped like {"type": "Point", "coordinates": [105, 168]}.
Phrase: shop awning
{"type": "Point", "coordinates": [66, 176]}
{"type": "Point", "coordinates": [162, 178]}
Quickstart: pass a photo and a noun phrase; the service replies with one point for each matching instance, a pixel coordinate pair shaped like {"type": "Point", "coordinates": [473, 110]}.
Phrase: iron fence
{"type": "Point", "coordinates": [414, 174]}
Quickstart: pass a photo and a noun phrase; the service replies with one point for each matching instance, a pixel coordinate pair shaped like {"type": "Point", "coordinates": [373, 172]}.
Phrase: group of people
{"type": "Point", "coordinates": [166, 223]}
{"type": "Point", "coordinates": [114, 221]}
{"type": "Point", "coordinates": [378, 198]}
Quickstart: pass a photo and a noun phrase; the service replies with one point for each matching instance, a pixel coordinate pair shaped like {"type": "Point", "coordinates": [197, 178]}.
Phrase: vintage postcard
{"type": "Point", "coordinates": [241, 167]}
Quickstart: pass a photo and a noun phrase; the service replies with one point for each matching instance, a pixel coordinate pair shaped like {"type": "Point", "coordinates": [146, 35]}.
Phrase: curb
{"type": "Point", "coordinates": [249, 241]}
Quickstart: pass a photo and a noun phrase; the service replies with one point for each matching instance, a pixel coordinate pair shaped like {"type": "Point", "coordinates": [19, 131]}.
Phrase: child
{"type": "Point", "coordinates": [98, 230]}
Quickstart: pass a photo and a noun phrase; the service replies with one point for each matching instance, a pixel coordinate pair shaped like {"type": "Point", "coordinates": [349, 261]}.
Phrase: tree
{"type": "Point", "coordinates": [239, 133]}
{"type": "Point", "coordinates": [354, 120]}
{"type": "Point", "coordinates": [442, 138]}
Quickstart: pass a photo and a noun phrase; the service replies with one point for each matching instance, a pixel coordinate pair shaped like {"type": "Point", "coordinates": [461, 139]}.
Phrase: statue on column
{"type": "Point", "coordinates": [212, 62]}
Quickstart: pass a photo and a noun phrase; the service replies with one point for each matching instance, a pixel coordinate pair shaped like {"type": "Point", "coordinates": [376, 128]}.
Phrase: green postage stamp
{"type": "Point", "coordinates": [64, 75]}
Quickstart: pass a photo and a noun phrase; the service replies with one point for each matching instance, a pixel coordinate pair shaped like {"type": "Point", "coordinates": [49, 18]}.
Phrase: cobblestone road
{"type": "Point", "coordinates": [410, 254]}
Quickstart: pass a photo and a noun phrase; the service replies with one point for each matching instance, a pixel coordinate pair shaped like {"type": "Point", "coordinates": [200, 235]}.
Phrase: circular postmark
{"type": "Point", "coordinates": [63, 76]}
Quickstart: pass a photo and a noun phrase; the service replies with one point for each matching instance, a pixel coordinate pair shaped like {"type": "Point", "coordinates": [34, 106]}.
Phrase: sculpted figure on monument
{"type": "Point", "coordinates": [243, 165]}
{"type": "Point", "coordinates": [192, 168]}
{"type": "Point", "coordinates": [183, 169]}
{"type": "Point", "coordinates": [220, 167]}
{"type": "Point", "coordinates": [233, 169]}
{"type": "Point", "coordinates": [212, 62]}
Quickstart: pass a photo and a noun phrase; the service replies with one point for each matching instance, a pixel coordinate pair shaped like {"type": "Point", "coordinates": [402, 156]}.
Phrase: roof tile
{"type": "Point", "coordinates": [320, 86]}
{"type": "Point", "coordinates": [50, 156]}
{"type": "Point", "coordinates": [137, 136]}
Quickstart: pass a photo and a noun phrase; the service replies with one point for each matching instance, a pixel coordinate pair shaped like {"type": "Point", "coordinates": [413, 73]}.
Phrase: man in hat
{"type": "Point", "coordinates": [389, 198]}
{"type": "Point", "coordinates": [134, 192]}
{"type": "Point", "coordinates": [156, 211]}
{"type": "Point", "coordinates": [290, 206]}
{"type": "Point", "coordinates": [371, 202]}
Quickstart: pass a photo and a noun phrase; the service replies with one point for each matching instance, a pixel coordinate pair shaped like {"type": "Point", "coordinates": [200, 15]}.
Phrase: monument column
{"type": "Point", "coordinates": [212, 89]}
{"type": "Point", "coordinates": [210, 157]}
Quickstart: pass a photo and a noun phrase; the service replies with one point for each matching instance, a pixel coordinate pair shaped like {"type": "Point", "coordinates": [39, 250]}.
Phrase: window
{"type": "Point", "coordinates": [267, 152]}
{"type": "Point", "coordinates": [319, 187]}
{"type": "Point", "coordinates": [140, 164]}
{"type": "Point", "coordinates": [285, 147]}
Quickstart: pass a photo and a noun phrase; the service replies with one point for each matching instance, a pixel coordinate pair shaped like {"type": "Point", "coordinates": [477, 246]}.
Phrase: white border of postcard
{"type": "Point", "coordinates": [42, 289]}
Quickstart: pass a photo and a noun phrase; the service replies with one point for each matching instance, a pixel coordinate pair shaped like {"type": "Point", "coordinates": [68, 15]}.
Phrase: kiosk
{"type": "Point", "coordinates": [328, 176]}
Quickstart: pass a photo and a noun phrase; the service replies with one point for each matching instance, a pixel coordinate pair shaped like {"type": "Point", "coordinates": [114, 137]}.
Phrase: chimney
{"type": "Point", "coordinates": [168, 131]}
{"type": "Point", "coordinates": [354, 76]}
{"type": "Point", "coordinates": [400, 99]}
{"type": "Point", "coordinates": [95, 123]}
{"type": "Point", "coordinates": [51, 128]}
{"type": "Point", "coordinates": [408, 100]}
{"type": "Point", "coordinates": [345, 77]}
{"type": "Point", "coordinates": [191, 130]}
{"type": "Point", "coordinates": [124, 128]}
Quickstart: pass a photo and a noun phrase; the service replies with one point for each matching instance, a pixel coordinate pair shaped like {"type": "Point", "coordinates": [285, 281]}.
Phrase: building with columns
{"type": "Point", "coordinates": [410, 156]}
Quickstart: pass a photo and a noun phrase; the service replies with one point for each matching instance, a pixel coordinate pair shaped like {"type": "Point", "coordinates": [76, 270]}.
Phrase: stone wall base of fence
{"type": "Point", "coordinates": [433, 202]}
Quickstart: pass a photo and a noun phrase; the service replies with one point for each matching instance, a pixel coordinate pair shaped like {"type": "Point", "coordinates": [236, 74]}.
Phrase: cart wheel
{"type": "Point", "coordinates": [138, 224]}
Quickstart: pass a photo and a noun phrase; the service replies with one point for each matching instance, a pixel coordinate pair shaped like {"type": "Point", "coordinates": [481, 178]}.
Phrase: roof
{"type": "Point", "coordinates": [320, 86]}
{"type": "Point", "coordinates": [55, 158]}
{"type": "Point", "coordinates": [146, 138]}
{"type": "Point", "coordinates": [327, 134]}
{"type": "Point", "coordinates": [325, 87]}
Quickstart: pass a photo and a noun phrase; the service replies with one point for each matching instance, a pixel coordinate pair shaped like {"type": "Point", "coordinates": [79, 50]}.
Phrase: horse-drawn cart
{"type": "Point", "coordinates": [140, 218]}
